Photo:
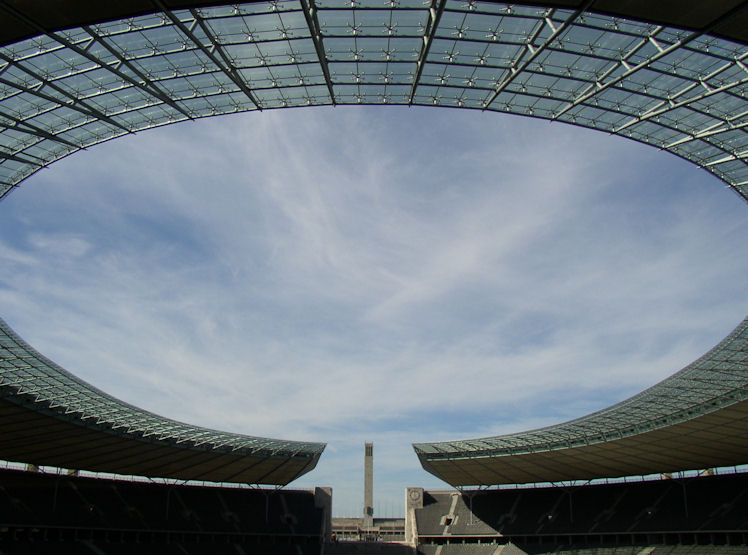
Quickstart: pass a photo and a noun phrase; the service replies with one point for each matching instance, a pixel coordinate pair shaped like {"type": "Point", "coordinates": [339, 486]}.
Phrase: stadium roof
{"type": "Point", "coordinates": [95, 71]}
{"type": "Point", "coordinates": [50, 417]}
{"type": "Point", "coordinates": [31, 15]}
{"type": "Point", "coordinates": [75, 73]}
{"type": "Point", "coordinates": [696, 418]}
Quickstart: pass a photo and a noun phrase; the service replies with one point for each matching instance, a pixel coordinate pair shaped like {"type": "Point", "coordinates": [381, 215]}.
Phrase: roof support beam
{"type": "Point", "coordinates": [78, 104]}
{"type": "Point", "coordinates": [23, 126]}
{"type": "Point", "coordinates": [598, 87]}
{"type": "Point", "coordinates": [666, 106]}
{"type": "Point", "coordinates": [56, 38]}
{"type": "Point", "coordinates": [146, 85]}
{"type": "Point", "coordinates": [725, 125]}
{"type": "Point", "coordinates": [16, 158]}
{"type": "Point", "coordinates": [273, 470]}
{"type": "Point", "coordinates": [518, 66]}
{"type": "Point", "coordinates": [228, 68]}
{"type": "Point", "coordinates": [248, 467]}
{"type": "Point", "coordinates": [716, 130]}
{"type": "Point", "coordinates": [728, 158]}
{"type": "Point", "coordinates": [435, 14]}
{"type": "Point", "coordinates": [594, 88]}
{"type": "Point", "coordinates": [310, 14]}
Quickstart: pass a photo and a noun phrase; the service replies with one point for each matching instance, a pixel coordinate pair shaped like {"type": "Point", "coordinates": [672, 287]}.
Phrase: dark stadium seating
{"type": "Point", "coordinates": [699, 512]}
{"type": "Point", "coordinates": [49, 513]}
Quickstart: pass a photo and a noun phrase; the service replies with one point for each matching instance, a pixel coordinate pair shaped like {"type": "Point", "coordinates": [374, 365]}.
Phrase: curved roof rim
{"type": "Point", "coordinates": [28, 18]}
{"type": "Point", "coordinates": [29, 379]}
{"type": "Point", "coordinates": [721, 378]}
{"type": "Point", "coordinates": [692, 420]}
{"type": "Point", "coordinates": [683, 92]}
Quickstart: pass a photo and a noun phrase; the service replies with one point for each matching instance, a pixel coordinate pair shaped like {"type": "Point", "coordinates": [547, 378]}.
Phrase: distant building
{"type": "Point", "coordinates": [368, 528]}
{"type": "Point", "coordinates": [381, 530]}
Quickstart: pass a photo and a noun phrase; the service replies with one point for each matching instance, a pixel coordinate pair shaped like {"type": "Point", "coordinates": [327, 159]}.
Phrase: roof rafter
{"type": "Point", "coordinates": [435, 14]}
{"type": "Point", "coordinates": [23, 126]}
{"type": "Point", "coordinates": [310, 14]}
{"type": "Point", "coordinates": [518, 66]}
{"type": "Point", "coordinates": [226, 66]}
{"type": "Point", "coordinates": [599, 86]}
{"type": "Point", "coordinates": [670, 104]}
{"type": "Point", "coordinates": [146, 85]}
{"type": "Point", "coordinates": [78, 104]}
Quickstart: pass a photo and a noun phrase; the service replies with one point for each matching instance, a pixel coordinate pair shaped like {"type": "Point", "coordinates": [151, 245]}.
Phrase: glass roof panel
{"type": "Point", "coordinates": [662, 85]}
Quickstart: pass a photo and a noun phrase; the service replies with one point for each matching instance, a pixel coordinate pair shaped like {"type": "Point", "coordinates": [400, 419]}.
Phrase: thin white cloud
{"type": "Point", "coordinates": [57, 245]}
{"type": "Point", "coordinates": [332, 275]}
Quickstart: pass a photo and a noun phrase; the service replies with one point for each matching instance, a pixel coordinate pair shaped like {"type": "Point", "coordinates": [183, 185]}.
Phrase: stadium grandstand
{"type": "Point", "coordinates": [709, 513]}
{"type": "Point", "coordinates": [670, 74]}
{"type": "Point", "coordinates": [54, 513]}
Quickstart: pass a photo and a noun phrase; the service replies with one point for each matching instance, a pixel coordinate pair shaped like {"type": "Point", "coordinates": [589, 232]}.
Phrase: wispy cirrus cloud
{"type": "Point", "coordinates": [368, 275]}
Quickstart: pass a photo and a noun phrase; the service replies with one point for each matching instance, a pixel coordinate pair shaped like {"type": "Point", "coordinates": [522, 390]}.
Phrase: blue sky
{"type": "Point", "coordinates": [365, 274]}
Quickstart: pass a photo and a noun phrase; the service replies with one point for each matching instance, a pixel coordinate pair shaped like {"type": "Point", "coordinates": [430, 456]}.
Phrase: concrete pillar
{"type": "Point", "coordinates": [413, 501]}
{"type": "Point", "coordinates": [323, 500]}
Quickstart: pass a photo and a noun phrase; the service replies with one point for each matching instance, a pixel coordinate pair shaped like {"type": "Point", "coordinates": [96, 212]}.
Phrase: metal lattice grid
{"type": "Point", "coordinates": [678, 90]}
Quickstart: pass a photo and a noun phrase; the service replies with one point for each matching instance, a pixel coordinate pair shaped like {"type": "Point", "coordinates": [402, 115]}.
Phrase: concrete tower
{"type": "Point", "coordinates": [368, 486]}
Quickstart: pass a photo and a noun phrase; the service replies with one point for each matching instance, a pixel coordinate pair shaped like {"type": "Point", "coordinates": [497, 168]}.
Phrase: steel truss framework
{"type": "Point", "coordinates": [78, 80]}
{"type": "Point", "coordinates": [77, 420]}
{"type": "Point", "coordinates": [679, 90]}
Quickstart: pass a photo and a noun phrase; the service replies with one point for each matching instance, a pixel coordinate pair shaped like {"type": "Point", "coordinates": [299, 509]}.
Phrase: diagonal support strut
{"type": "Point", "coordinates": [310, 14]}
{"type": "Point", "coordinates": [435, 14]}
